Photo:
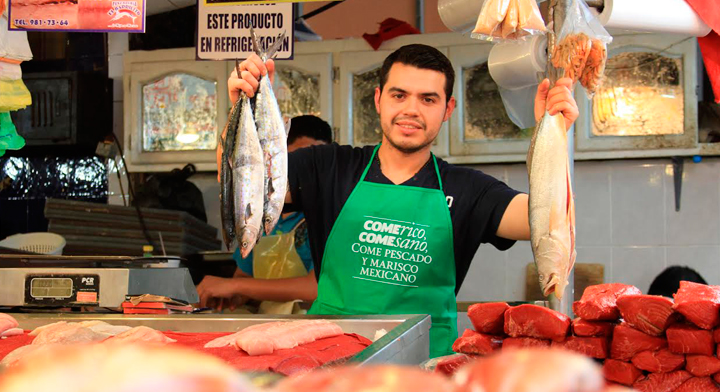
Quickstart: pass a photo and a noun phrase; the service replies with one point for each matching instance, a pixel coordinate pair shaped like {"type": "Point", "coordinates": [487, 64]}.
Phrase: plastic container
{"type": "Point", "coordinates": [45, 243]}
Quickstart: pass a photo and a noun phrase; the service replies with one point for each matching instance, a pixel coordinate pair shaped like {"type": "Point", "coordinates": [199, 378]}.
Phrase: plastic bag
{"type": "Point", "coordinates": [501, 20]}
{"type": "Point", "coordinates": [13, 95]}
{"type": "Point", "coordinates": [9, 138]}
{"type": "Point", "coordinates": [581, 47]}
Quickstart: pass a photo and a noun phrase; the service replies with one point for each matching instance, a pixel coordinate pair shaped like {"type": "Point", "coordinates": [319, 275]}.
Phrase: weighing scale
{"type": "Point", "coordinates": [41, 281]}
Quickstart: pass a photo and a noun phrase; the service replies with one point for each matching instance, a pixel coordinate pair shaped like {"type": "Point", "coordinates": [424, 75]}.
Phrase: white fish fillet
{"type": "Point", "coordinates": [552, 209]}
{"type": "Point", "coordinates": [262, 339]}
{"type": "Point", "coordinates": [141, 334]}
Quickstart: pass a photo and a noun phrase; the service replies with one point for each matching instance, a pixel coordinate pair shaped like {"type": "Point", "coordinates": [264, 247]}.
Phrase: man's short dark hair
{"type": "Point", "coordinates": [309, 126]}
{"type": "Point", "coordinates": [423, 57]}
{"type": "Point", "coordinates": [668, 282]}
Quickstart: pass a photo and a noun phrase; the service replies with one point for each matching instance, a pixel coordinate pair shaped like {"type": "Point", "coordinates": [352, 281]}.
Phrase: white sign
{"type": "Point", "coordinates": [224, 30]}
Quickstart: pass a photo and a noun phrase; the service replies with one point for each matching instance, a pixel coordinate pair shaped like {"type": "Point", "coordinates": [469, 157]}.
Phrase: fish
{"type": "Point", "coordinates": [226, 175]}
{"type": "Point", "coordinates": [551, 205]}
{"type": "Point", "coordinates": [248, 181]}
{"type": "Point", "coordinates": [273, 140]}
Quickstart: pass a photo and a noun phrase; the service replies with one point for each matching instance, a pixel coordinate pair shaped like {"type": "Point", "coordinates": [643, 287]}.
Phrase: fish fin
{"type": "Point", "coordinates": [271, 189]}
{"type": "Point", "coordinates": [248, 213]}
{"type": "Point", "coordinates": [288, 124]}
{"type": "Point", "coordinates": [255, 44]}
{"type": "Point", "coordinates": [272, 51]}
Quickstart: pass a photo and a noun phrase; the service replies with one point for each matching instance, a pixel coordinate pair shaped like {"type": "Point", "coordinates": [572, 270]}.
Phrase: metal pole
{"type": "Point", "coordinates": [420, 15]}
{"type": "Point", "coordinates": [557, 12]}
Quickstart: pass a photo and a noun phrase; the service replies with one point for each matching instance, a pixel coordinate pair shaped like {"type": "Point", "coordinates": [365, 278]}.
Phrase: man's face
{"type": "Point", "coordinates": [412, 107]}
{"type": "Point", "coordinates": [302, 142]}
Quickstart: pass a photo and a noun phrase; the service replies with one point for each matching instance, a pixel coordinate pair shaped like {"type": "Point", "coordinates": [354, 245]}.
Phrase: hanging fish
{"type": "Point", "coordinates": [552, 209]}
{"type": "Point", "coordinates": [248, 181]}
{"type": "Point", "coordinates": [273, 140]}
{"type": "Point", "coordinates": [226, 172]}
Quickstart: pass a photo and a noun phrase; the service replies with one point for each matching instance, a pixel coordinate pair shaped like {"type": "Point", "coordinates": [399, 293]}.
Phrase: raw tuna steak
{"type": "Point", "coordinates": [599, 302]}
{"type": "Point", "coordinates": [660, 361]}
{"type": "Point", "coordinates": [476, 343]}
{"type": "Point", "coordinates": [702, 365]}
{"type": "Point", "coordinates": [534, 321]}
{"type": "Point", "coordinates": [582, 327]}
{"type": "Point", "coordinates": [698, 384]}
{"type": "Point", "coordinates": [651, 314]}
{"type": "Point", "coordinates": [662, 382]}
{"type": "Point", "coordinates": [510, 343]}
{"type": "Point", "coordinates": [686, 339]}
{"type": "Point", "coordinates": [450, 364]}
{"type": "Point", "coordinates": [621, 372]}
{"type": "Point", "coordinates": [628, 341]}
{"type": "Point", "coordinates": [716, 335]}
{"type": "Point", "coordinates": [717, 378]}
{"type": "Point", "coordinates": [699, 303]}
{"type": "Point", "coordinates": [488, 317]}
{"type": "Point", "coordinates": [596, 347]}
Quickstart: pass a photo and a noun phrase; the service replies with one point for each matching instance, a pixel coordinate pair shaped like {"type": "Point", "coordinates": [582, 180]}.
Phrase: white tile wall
{"type": "Point", "coordinates": [626, 220]}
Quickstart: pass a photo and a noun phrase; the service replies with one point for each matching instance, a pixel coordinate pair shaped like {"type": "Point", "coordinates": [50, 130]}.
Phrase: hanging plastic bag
{"type": "Point", "coordinates": [9, 138]}
{"type": "Point", "coordinates": [10, 71]}
{"type": "Point", "coordinates": [581, 47]}
{"type": "Point", "coordinates": [13, 95]}
{"type": "Point", "coordinates": [14, 45]}
{"type": "Point", "coordinates": [502, 20]}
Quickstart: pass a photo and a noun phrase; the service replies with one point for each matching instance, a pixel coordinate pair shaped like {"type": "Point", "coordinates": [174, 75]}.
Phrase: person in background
{"type": "Point", "coordinates": [268, 273]}
{"type": "Point", "coordinates": [668, 282]}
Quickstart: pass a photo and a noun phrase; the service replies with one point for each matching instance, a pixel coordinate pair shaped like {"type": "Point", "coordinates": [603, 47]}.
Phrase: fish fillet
{"type": "Point", "coordinates": [141, 334]}
{"type": "Point", "coordinates": [265, 338]}
{"type": "Point", "coordinates": [552, 209]}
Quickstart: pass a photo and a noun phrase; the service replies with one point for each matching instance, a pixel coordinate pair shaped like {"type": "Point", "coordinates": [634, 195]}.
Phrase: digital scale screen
{"type": "Point", "coordinates": [51, 288]}
{"type": "Point", "coordinates": [62, 289]}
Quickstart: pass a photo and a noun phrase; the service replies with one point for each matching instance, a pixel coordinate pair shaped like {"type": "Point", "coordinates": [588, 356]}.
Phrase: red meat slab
{"type": "Point", "coordinates": [702, 365]}
{"type": "Point", "coordinates": [476, 343]}
{"type": "Point", "coordinates": [687, 339]}
{"type": "Point", "coordinates": [659, 361]}
{"type": "Point", "coordinates": [488, 317]}
{"type": "Point", "coordinates": [621, 372]}
{"type": "Point", "coordinates": [651, 314]}
{"type": "Point", "coordinates": [699, 303]}
{"type": "Point", "coordinates": [662, 382]}
{"type": "Point", "coordinates": [588, 328]}
{"type": "Point", "coordinates": [628, 341]}
{"type": "Point", "coordinates": [599, 302]}
{"type": "Point", "coordinates": [510, 343]}
{"type": "Point", "coordinates": [534, 321]}
{"type": "Point", "coordinates": [594, 347]}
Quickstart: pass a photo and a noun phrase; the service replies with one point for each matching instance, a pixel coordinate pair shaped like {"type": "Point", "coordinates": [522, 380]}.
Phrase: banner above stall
{"type": "Point", "coordinates": [78, 16]}
{"type": "Point", "coordinates": [224, 28]}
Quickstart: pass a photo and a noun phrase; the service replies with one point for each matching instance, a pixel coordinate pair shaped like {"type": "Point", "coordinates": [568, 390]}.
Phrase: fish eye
{"type": "Point", "coordinates": [244, 244]}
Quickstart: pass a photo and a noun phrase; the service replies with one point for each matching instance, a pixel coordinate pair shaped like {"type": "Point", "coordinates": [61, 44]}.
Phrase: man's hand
{"type": "Point", "coordinates": [251, 70]}
{"type": "Point", "coordinates": [559, 99]}
{"type": "Point", "coordinates": [217, 292]}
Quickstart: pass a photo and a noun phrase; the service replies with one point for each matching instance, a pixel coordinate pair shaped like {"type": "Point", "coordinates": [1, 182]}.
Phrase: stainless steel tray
{"type": "Point", "coordinates": [407, 340]}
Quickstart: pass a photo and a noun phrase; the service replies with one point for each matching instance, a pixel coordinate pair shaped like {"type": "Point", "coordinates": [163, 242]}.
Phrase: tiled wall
{"type": "Point", "coordinates": [626, 220]}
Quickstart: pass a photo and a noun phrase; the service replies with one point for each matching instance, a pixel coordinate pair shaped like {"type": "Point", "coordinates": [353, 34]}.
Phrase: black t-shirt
{"type": "Point", "coordinates": [322, 177]}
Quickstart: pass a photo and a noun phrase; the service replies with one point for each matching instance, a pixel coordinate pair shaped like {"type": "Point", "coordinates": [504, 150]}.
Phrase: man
{"type": "Point", "coordinates": [393, 229]}
{"type": "Point", "coordinates": [284, 254]}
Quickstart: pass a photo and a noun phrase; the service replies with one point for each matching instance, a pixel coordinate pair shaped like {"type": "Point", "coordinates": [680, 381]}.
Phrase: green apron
{"type": "Point", "coordinates": [391, 252]}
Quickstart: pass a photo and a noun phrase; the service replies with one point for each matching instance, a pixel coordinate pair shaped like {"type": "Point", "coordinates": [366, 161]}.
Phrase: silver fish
{"type": "Point", "coordinates": [273, 139]}
{"type": "Point", "coordinates": [552, 209]}
{"type": "Point", "coordinates": [248, 181]}
{"type": "Point", "coordinates": [226, 175]}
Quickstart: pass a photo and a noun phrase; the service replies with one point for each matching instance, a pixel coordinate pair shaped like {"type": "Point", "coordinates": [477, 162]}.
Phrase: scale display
{"type": "Point", "coordinates": [62, 290]}
{"type": "Point", "coordinates": [51, 288]}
